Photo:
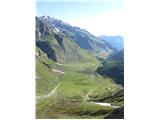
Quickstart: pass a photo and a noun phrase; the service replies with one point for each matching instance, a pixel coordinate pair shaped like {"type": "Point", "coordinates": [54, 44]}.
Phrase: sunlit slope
{"type": "Point", "coordinates": [46, 79]}
{"type": "Point", "coordinates": [57, 46]}
{"type": "Point", "coordinates": [78, 83]}
{"type": "Point", "coordinates": [81, 37]}
{"type": "Point", "coordinates": [66, 78]}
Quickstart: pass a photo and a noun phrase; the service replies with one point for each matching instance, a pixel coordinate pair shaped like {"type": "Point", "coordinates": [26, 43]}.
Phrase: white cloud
{"type": "Point", "coordinates": [110, 23]}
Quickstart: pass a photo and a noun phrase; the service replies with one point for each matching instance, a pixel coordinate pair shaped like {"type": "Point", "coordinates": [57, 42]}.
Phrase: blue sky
{"type": "Point", "coordinates": [80, 13]}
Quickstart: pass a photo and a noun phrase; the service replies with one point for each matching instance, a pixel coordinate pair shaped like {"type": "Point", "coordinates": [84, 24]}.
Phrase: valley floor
{"type": "Point", "coordinates": [77, 92]}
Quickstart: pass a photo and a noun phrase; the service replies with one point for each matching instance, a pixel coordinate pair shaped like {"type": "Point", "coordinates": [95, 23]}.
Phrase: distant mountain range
{"type": "Point", "coordinates": [64, 43]}
{"type": "Point", "coordinates": [116, 41]}
{"type": "Point", "coordinates": [67, 81]}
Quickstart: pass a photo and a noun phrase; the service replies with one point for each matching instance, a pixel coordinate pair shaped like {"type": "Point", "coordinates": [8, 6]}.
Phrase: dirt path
{"type": "Point", "coordinates": [48, 95]}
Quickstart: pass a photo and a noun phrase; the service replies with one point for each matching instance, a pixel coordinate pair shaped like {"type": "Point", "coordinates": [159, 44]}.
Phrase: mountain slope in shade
{"type": "Point", "coordinates": [83, 38]}
{"type": "Point", "coordinates": [116, 41]}
{"type": "Point", "coordinates": [46, 79]}
{"type": "Point", "coordinates": [65, 64]}
{"type": "Point", "coordinates": [58, 46]}
{"type": "Point", "coordinates": [113, 67]}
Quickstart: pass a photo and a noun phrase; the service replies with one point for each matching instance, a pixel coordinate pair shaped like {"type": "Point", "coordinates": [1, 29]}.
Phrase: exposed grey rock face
{"type": "Point", "coordinates": [82, 37]}
{"type": "Point", "coordinates": [62, 42]}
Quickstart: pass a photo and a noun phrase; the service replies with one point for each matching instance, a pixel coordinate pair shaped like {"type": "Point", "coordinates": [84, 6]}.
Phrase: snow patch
{"type": "Point", "coordinates": [58, 71]}
{"type": "Point", "coordinates": [46, 16]}
{"type": "Point", "coordinates": [105, 104]}
{"type": "Point", "coordinates": [56, 30]}
{"type": "Point", "coordinates": [59, 64]}
{"type": "Point", "coordinates": [102, 104]}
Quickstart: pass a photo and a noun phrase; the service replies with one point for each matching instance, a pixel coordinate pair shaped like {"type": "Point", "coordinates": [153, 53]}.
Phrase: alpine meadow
{"type": "Point", "coordinates": [79, 71]}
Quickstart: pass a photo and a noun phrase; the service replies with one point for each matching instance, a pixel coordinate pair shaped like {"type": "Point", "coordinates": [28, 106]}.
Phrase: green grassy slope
{"type": "Point", "coordinates": [83, 38]}
{"type": "Point", "coordinates": [46, 79]}
{"type": "Point", "coordinates": [113, 67]}
{"type": "Point", "coordinates": [61, 62]}
{"type": "Point", "coordinates": [71, 99]}
{"type": "Point", "coordinates": [57, 46]}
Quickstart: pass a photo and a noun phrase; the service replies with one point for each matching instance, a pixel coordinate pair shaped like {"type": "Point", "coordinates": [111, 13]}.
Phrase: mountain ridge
{"type": "Point", "coordinates": [66, 78]}
{"type": "Point", "coordinates": [82, 37]}
{"type": "Point", "coordinates": [56, 45]}
{"type": "Point", "coordinates": [116, 41]}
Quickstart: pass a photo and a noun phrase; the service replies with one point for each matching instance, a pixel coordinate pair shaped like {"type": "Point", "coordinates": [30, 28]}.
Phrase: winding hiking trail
{"type": "Point", "coordinates": [49, 94]}
{"type": "Point", "coordinates": [86, 97]}
{"type": "Point", "coordinates": [42, 97]}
